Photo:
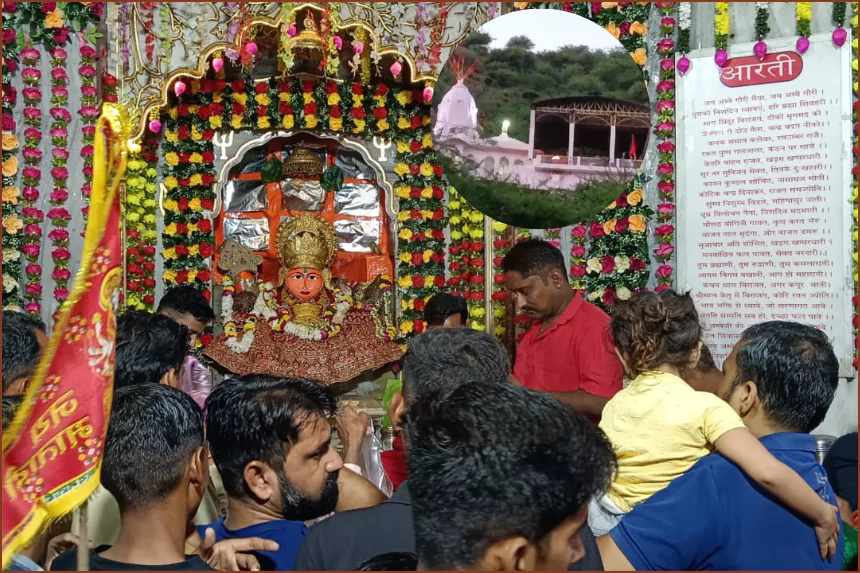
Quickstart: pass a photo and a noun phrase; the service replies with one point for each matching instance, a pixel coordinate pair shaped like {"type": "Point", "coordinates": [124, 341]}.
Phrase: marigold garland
{"type": "Point", "coordinates": [12, 223]}
{"type": "Point", "coordinates": [59, 215]}
{"type": "Point", "coordinates": [722, 25]}
{"type": "Point", "coordinates": [32, 176]}
{"type": "Point", "coordinates": [140, 208]}
{"type": "Point", "coordinates": [501, 245]}
{"type": "Point", "coordinates": [803, 15]}
{"type": "Point", "coordinates": [466, 252]}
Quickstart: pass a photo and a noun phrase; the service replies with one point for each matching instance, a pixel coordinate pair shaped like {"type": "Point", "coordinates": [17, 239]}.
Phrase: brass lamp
{"type": "Point", "coordinates": [303, 162]}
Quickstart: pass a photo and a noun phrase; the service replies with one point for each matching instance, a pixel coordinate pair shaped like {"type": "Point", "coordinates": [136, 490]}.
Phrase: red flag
{"type": "Point", "coordinates": [633, 153]}
{"type": "Point", "coordinates": [52, 452]}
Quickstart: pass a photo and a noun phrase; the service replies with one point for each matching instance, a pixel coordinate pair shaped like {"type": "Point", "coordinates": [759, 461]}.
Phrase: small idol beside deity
{"type": "Point", "coordinates": [306, 325]}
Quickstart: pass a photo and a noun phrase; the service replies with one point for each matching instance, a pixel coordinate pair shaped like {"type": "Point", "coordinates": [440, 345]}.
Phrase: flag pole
{"type": "Point", "coordinates": [79, 518]}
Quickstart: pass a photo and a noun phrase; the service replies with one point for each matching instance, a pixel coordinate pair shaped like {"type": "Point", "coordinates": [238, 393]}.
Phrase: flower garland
{"type": "Point", "coordinates": [578, 8]}
{"type": "Point", "coordinates": [854, 66]}
{"type": "Point", "coordinates": [522, 321]}
{"type": "Point", "coordinates": [838, 16]}
{"type": "Point", "coordinates": [618, 253]}
{"type": "Point", "coordinates": [466, 263]}
{"type": "Point", "coordinates": [665, 132]}
{"type": "Point", "coordinates": [501, 245]}
{"type": "Point", "coordinates": [578, 240]}
{"type": "Point", "coordinates": [12, 223]}
{"type": "Point", "coordinates": [32, 176]}
{"type": "Point", "coordinates": [685, 10]}
{"type": "Point", "coordinates": [59, 215]}
{"type": "Point", "coordinates": [89, 113]}
{"type": "Point", "coordinates": [803, 15]}
{"type": "Point", "coordinates": [189, 176]}
{"type": "Point", "coordinates": [140, 219]}
{"type": "Point", "coordinates": [722, 29]}
{"type": "Point", "coordinates": [762, 28]}
{"type": "Point", "coordinates": [627, 22]}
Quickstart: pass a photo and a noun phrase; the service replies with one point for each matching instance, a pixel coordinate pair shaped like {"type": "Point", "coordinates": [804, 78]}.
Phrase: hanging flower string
{"type": "Point", "coordinates": [840, 34]}
{"type": "Point", "coordinates": [684, 21]}
{"type": "Point", "coordinates": [854, 65]}
{"type": "Point", "coordinates": [665, 231]}
{"type": "Point", "coordinates": [464, 253]}
{"type": "Point", "coordinates": [578, 239]}
{"type": "Point", "coordinates": [32, 176]}
{"type": "Point", "coordinates": [803, 15]}
{"type": "Point", "coordinates": [722, 29]}
{"type": "Point", "coordinates": [139, 208]}
{"type": "Point", "coordinates": [12, 223]}
{"type": "Point", "coordinates": [762, 28]}
{"type": "Point", "coordinates": [59, 215]}
{"type": "Point", "coordinates": [89, 113]}
{"type": "Point", "coordinates": [501, 245]}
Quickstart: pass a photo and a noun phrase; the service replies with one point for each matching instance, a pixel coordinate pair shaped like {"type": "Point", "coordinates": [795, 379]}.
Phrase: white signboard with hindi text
{"type": "Point", "coordinates": [764, 183]}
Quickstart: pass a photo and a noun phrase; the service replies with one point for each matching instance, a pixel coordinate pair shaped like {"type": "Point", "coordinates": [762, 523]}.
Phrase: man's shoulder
{"type": "Point", "coordinates": [356, 521]}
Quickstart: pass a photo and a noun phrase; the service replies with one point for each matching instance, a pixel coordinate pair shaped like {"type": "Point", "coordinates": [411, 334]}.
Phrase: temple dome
{"type": "Point", "coordinates": [457, 113]}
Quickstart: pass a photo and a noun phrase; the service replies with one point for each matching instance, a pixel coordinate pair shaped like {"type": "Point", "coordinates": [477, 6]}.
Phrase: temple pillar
{"type": "Point", "coordinates": [572, 125]}
{"type": "Point", "coordinates": [531, 135]}
{"type": "Point", "coordinates": [612, 143]}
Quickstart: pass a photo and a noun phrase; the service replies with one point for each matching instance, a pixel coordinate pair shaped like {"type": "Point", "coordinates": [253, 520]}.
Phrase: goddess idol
{"type": "Point", "coordinates": [305, 325]}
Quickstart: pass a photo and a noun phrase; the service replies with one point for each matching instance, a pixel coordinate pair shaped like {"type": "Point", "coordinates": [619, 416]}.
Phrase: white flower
{"type": "Point", "coordinates": [684, 12]}
{"type": "Point", "coordinates": [623, 293]}
{"type": "Point", "coordinates": [622, 263]}
{"type": "Point", "coordinates": [762, 6]}
{"type": "Point", "coordinates": [9, 283]}
{"type": "Point", "coordinates": [596, 294]}
{"type": "Point", "coordinates": [10, 255]}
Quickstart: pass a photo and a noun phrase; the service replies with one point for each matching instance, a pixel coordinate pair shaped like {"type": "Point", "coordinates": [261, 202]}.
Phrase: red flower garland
{"type": "Point", "coordinates": [89, 113]}
{"type": "Point", "coordinates": [32, 176]}
{"type": "Point", "coordinates": [665, 232]}
{"type": "Point", "coordinates": [59, 215]}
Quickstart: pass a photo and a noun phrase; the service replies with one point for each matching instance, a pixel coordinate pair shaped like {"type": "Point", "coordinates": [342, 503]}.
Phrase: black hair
{"type": "Point", "coordinates": [534, 257]}
{"type": "Point", "coordinates": [20, 346]}
{"type": "Point", "coordinates": [706, 361]}
{"type": "Point", "coordinates": [10, 408]}
{"type": "Point", "coordinates": [153, 433]}
{"type": "Point", "coordinates": [494, 461]}
{"type": "Point", "coordinates": [794, 369]}
{"type": "Point", "coordinates": [440, 359]}
{"type": "Point", "coordinates": [443, 305]}
{"type": "Point", "coordinates": [186, 300]}
{"type": "Point", "coordinates": [148, 346]}
{"type": "Point", "coordinates": [398, 561]}
{"type": "Point", "coordinates": [258, 418]}
{"type": "Point", "coordinates": [651, 329]}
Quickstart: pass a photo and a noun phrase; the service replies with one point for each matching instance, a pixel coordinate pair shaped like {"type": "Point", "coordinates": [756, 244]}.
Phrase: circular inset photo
{"type": "Point", "coordinates": [541, 118]}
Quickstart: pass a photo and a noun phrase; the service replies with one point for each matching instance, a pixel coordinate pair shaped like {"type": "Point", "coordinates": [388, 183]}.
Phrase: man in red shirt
{"type": "Point", "coordinates": [568, 351]}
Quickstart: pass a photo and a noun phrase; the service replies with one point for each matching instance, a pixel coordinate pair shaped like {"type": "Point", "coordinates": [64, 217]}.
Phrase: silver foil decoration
{"type": "Point", "coordinates": [250, 233]}
{"type": "Point", "coordinates": [252, 162]}
{"type": "Point", "coordinates": [245, 196]}
{"type": "Point", "coordinates": [300, 195]}
{"type": "Point", "coordinates": [353, 165]}
{"type": "Point", "coordinates": [358, 200]}
{"type": "Point", "coordinates": [357, 235]}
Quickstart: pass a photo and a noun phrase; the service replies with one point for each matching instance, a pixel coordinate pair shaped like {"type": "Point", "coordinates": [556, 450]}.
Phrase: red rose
{"type": "Point", "coordinates": [182, 277]}
{"type": "Point", "coordinates": [181, 250]}
{"type": "Point", "coordinates": [219, 85]}
{"type": "Point", "coordinates": [134, 286]}
{"type": "Point", "coordinates": [207, 294]}
{"type": "Point", "coordinates": [109, 81]}
{"type": "Point", "coordinates": [311, 108]}
{"type": "Point", "coordinates": [208, 157]}
{"type": "Point", "coordinates": [419, 236]}
{"type": "Point", "coordinates": [455, 249]}
{"type": "Point", "coordinates": [111, 98]}
{"type": "Point", "coordinates": [184, 182]}
{"type": "Point", "coordinates": [262, 110]}
{"type": "Point", "coordinates": [238, 109]}
{"type": "Point", "coordinates": [208, 134]}
{"type": "Point", "coordinates": [207, 203]}
{"type": "Point", "coordinates": [417, 259]}
{"type": "Point", "coordinates": [182, 110]}
{"type": "Point", "coordinates": [182, 229]}
{"type": "Point", "coordinates": [636, 264]}
{"type": "Point", "coordinates": [285, 109]}
{"type": "Point", "coordinates": [208, 179]}
{"type": "Point", "coordinates": [439, 234]}
{"type": "Point", "coordinates": [621, 201]}
{"type": "Point", "coordinates": [149, 299]}
{"type": "Point", "coordinates": [477, 279]}
{"type": "Point", "coordinates": [205, 339]}
{"type": "Point", "coordinates": [358, 113]}
{"type": "Point", "coordinates": [206, 250]}
{"type": "Point", "coordinates": [419, 326]}
{"type": "Point", "coordinates": [357, 88]}
{"type": "Point", "coordinates": [415, 193]}
{"type": "Point", "coordinates": [238, 86]}
{"type": "Point", "coordinates": [330, 87]}
{"type": "Point", "coordinates": [414, 169]}
{"type": "Point", "coordinates": [415, 214]}
{"type": "Point", "coordinates": [261, 88]}
{"type": "Point", "coordinates": [609, 297]}
{"type": "Point", "coordinates": [415, 122]}
{"type": "Point", "coordinates": [501, 295]}
{"type": "Point", "coordinates": [477, 296]}
{"type": "Point", "coordinates": [499, 278]}
{"type": "Point", "coordinates": [335, 112]}
{"type": "Point", "coordinates": [204, 112]}
{"type": "Point", "coordinates": [184, 132]}
{"type": "Point", "coordinates": [498, 261]}
{"type": "Point", "coordinates": [438, 171]}
{"type": "Point", "coordinates": [418, 281]}
{"type": "Point", "coordinates": [381, 89]}
{"type": "Point", "coordinates": [437, 257]}
{"type": "Point", "coordinates": [415, 147]}
{"type": "Point", "coordinates": [477, 246]}
{"type": "Point", "coordinates": [149, 282]}
{"type": "Point", "coordinates": [438, 215]}
{"type": "Point", "coordinates": [205, 225]}
{"type": "Point", "coordinates": [204, 275]}
{"type": "Point", "coordinates": [184, 157]}
{"type": "Point", "coordinates": [149, 267]}
{"type": "Point", "coordinates": [607, 264]}
{"type": "Point", "coordinates": [596, 229]}
{"type": "Point", "coordinates": [621, 225]}
{"type": "Point", "coordinates": [183, 204]}
{"type": "Point", "coordinates": [382, 113]}
{"type": "Point", "coordinates": [308, 86]}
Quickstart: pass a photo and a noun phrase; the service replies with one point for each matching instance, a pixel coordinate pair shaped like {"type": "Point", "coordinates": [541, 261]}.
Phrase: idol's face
{"type": "Point", "coordinates": [304, 284]}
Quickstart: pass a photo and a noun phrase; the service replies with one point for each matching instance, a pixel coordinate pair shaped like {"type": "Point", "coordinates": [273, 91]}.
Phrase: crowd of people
{"type": "Point", "coordinates": [612, 443]}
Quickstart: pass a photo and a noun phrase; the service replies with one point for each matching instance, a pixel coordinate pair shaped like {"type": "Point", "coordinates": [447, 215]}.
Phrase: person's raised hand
{"type": "Point", "coordinates": [351, 426]}
{"type": "Point", "coordinates": [59, 545]}
{"type": "Point", "coordinates": [233, 554]}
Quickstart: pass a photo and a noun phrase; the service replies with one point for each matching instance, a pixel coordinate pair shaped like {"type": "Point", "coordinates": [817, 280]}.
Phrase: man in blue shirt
{"type": "Point", "coordinates": [781, 378]}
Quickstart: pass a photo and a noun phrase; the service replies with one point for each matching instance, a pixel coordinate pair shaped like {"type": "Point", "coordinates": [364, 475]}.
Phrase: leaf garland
{"type": "Point", "coordinates": [762, 16]}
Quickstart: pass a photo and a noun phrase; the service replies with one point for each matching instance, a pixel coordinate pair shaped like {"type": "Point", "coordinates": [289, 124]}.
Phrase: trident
{"type": "Point", "coordinates": [382, 145]}
{"type": "Point", "coordinates": [224, 142]}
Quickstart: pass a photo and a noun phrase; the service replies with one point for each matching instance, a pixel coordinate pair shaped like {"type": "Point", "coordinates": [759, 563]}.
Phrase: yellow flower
{"type": "Point", "coordinates": [521, 5]}
{"type": "Point", "coordinates": [477, 234]}
{"type": "Point", "coordinates": [454, 220]}
{"type": "Point", "coordinates": [10, 142]}
{"type": "Point", "coordinates": [171, 158]}
{"type": "Point", "coordinates": [405, 234]}
{"type": "Point", "coordinates": [477, 312]}
{"type": "Point", "coordinates": [609, 226]}
{"type": "Point", "coordinates": [133, 198]}
{"type": "Point", "coordinates": [10, 166]}
{"type": "Point", "coordinates": [335, 123]}
{"type": "Point", "coordinates": [217, 97]}
{"type": "Point", "coordinates": [404, 98]}
{"type": "Point", "coordinates": [173, 113]}
{"type": "Point", "coordinates": [635, 197]}
{"type": "Point", "coordinates": [404, 282]}
{"type": "Point", "coordinates": [311, 121]}
{"type": "Point", "coordinates": [425, 120]}
{"type": "Point", "coordinates": [402, 192]}
{"type": "Point", "coordinates": [171, 136]}
{"type": "Point", "coordinates": [403, 216]}
{"type": "Point", "coordinates": [195, 158]}
{"type": "Point", "coordinates": [263, 122]}
{"type": "Point", "coordinates": [453, 204]}
{"type": "Point", "coordinates": [170, 230]}
{"type": "Point", "coordinates": [499, 227]}
{"type": "Point", "coordinates": [402, 147]}
{"type": "Point", "coordinates": [192, 228]}
{"type": "Point", "coordinates": [334, 99]}
{"type": "Point", "coordinates": [403, 123]}
{"type": "Point", "coordinates": [406, 325]}
{"type": "Point", "coordinates": [637, 223]}
{"type": "Point", "coordinates": [169, 254]}
{"type": "Point", "coordinates": [427, 141]}
{"type": "Point", "coordinates": [357, 100]}
{"type": "Point", "coordinates": [456, 235]}
{"type": "Point", "coordinates": [608, 5]}
{"type": "Point", "coordinates": [426, 170]}
{"type": "Point", "coordinates": [308, 97]}
{"type": "Point", "coordinates": [288, 121]}
{"type": "Point", "coordinates": [13, 224]}
{"type": "Point", "coordinates": [262, 99]}
{"type": "Point", "coordinates": [236, 122]}
{"type": "Point", "coordinates": [215, 121]}
{"type": "Point", "coordinates": [612, 205]}
{"type": "Point", "coordinates": [194, 250]}
{"type": "Point", "coordinates": [169, 276]}
{"type": "Point", "coordinates": [405, 257]}
{"type": "Point", "coordinates": [382, 125]}
{"type": "Point", "coordinates": [171, 205]}
{"type": "Point", "coordinates": [171, 182]}
{"type": "Point", "coordinates": [285, 96]}
{"type": "Point", "coordinates": [54, 19]}
{"type": "Point", "coordinates": [427, 193]}
{"type": "Point", "coordinates": [360, 125]}
{"type": "Point", "coordinates": [132, 217]}
{"type": "Point", "coordinates": [196, 179]}
{"type": "Point", "coordinates": [195, 133]}
{"type": "Point", "coordinates": [614, 30]}
{"type": "Point", "coordinates": [426, 214]}
{"type": "Point", "coordinates": [640, 57]}
{"type": "Point", "coordinates": [638, 29]}
{"type": "Point", "coordinates": [241, 99]}
{"type": "Point", "coordinates": [425, 256]}
{"type": "Point", "coordinates": [11, 194]}
{"type": "Point", "coordinates": [195, 204]}
{"type": "Point", "coordinates": [400, 169]}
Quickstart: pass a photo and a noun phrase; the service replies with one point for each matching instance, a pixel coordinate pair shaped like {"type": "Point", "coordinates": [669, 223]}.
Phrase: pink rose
{"type": "Point", "coordinates": [9, 7]}
{"type": "Point", "coordinates": [8, 123]}
{"type": "Point", "coordinates": [88, 130]}
{"type": "Point", "coordinates": [665, 169]}
{"type": "Point", "coordinates": [32, 133]}
{"type": "Point", "coordinates": [60, 173]}
{"type": "Point", "coordinates": [89, 111]}
{"type": "Point", "coordinates": [665, 86]}
{"type": "Point", "coordinates": [61, 293]}
{"type": "Point", "coordinates": [85, 211]}
{"type": "Point", "coordinates": [86, 190]}
{"type": "Point", "coordinates": [31, 173]}
{"type": "Point", "coordinates": [89, 91]}
{"type": "Point", "coordinates": [31, 250]}
{"type": "Point", "coordinates": [10, 94]}
{"type": "Point", "coordinates": [59, 74]}
{"type": "Point", "coordinates": [664, 271]}
{"type": "Point", "coordinates": [668, 64]}
{"type": "Point", "coordinates": [59, 54]}
{"type": "Point", "coordinates": [60, 153]}
{"type": "Point", "coordinates": [580, 232]}
{"type": "Point", "coordinates": [31, 74]}
{"type": "Point", "coordinates": [660, 231]}
{"type": "Point", "coordinates": [30, 193]}
{"type": "Point", "coordinates": [32, 269]}
{"type": "Point", "coordinates": [10, 36]}
{"type": "Point", "coordinates": [58, 235]}
{"type": "Point", "coordinates": [32, 213]}
{"type": "Point", "coordinates": [661, 288]}
{"type": "Point", "coordinates": [32, 94]}
{"type": "Point", "coordinates": [97, 9]}
{"type": "Point", "coordinates": [59, 195]}
{"type": "Point", "coordinates": [31, 307]}
{"type": "Point", "coordinates": [666, 127]}
{"type": "Point", "coordinates": [665, 250]}
{"type": "Point", "coordinates": [11, 65]}
{"type": "Point", "coordinates": [88, 51]}
{"type": "Point", "coordinates": [61, 274]}
{"type": "Point", "coordinates": [34, 289]}
{"type": "Point", "coordinates": [666, 208]}
{"type": "Point", "coordinates": [665, 105]}
{"type": "Point", "coordinates": [59, 92]}
{"type": "Point", "coordinates": [578, 251]}
{"type": "Point", "coordinates": [554, 243]}
{"type": "Point", "coordinates": [61, 254]}
{"type": "Point", "coordinates": [48, 7]}
{"type": "Point", "coordinates": [61, 113]}
{"type": "Point", "coordinates": [33, 230]}
{"type": "Point", "coordinates": [59, 213]}
{"type": "Point", "coordinates": [61, 35]}
{"type": "Point", "coordinates": [666, 147]}
{"type": "Point", "coordinates": [59, 133]}
{"type": "Point", "coordinates": [29, 54]}
{"type": "Point", "coordinates": [667, 22]}
{"type": "Point", "coordinates": [32, 153]}
{"type": "Point", "coordinates": [87, 151]}
{"type": "Point", "coordinates": [578, 270]}
{"type": "Point", "coordinates": [87, 71]}
{"type": "Point", "coordinates": [666, 187]}
{"type": "Point", "coordinates": [88, 170]}
{"type": "Point", "coordinates": [32, 113]}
